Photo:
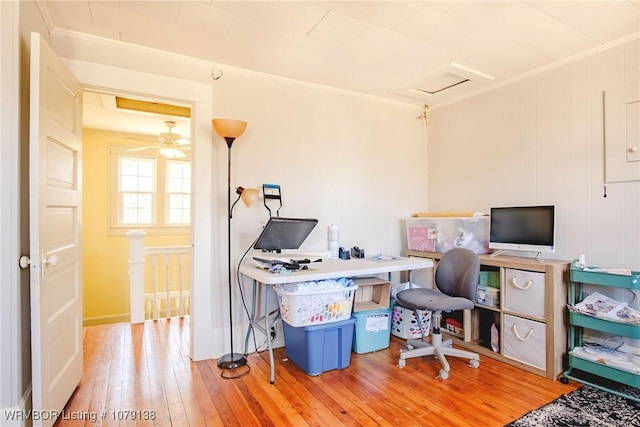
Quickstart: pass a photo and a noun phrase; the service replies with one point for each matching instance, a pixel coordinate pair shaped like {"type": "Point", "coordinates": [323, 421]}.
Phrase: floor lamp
{"type": "Point", "coordinates": [230, 130]}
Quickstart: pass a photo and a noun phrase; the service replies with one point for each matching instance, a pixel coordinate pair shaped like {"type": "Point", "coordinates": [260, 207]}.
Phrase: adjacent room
{"type": "Point", "coordinates": [320, 213]}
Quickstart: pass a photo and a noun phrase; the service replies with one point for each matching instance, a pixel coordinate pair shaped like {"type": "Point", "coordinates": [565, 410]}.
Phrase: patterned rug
{"type": "Point", "coordinates": [586, 406]}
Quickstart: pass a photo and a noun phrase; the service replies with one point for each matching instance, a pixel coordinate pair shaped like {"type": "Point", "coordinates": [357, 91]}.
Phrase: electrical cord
{"type": "Point", "coordinates": [242, 297]}
{"type": "Point", "coordinates": [607, 346]}
{"type": "Point", "coordinates": [248, 368]}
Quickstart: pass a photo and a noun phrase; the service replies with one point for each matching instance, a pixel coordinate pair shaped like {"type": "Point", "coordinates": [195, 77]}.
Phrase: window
{"type": "Point", "coordinates": [179, 191]}
{"type": "Point", "coordinates": [136, 190]}
{"type": "Point", "coordinates": [149, 191]}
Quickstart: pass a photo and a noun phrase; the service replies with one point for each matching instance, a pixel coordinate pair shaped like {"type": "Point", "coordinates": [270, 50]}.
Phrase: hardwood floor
{"type": "Point", "coordinates": [136, 372]}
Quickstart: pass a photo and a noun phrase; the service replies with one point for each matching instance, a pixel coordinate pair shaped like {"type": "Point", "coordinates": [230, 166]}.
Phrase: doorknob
{"type": "Point", "coordinates": [24, 261]}
{"type": "Point", "coordinates": [52, 261]}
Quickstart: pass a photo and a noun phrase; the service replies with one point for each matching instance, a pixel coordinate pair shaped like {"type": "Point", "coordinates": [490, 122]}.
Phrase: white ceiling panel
{"type": "Point", "coordinates": [386, 14]}
{"type": "Point", "coordinates": [523, 25]}
{"type": "Point", "coordinates": [602, 21]}
{"type": "Point", "coordinates": [372, 47]}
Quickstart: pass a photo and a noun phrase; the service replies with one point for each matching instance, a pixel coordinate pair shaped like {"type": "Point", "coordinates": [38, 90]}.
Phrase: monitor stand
{"type": "Point", "coordinates": [538, 255]}
{"type": "Point", "coordinates": [498, 252]}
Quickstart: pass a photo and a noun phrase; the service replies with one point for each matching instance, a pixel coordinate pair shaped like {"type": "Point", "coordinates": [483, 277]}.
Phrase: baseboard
{"type": "Point", "coordinates": [104, 320]}
{"type": "Point", "coordinates": [17, 416]}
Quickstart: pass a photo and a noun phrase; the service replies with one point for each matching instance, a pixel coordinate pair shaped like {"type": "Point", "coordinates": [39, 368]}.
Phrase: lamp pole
{"type": "Point", "coordinates": [230, 130]}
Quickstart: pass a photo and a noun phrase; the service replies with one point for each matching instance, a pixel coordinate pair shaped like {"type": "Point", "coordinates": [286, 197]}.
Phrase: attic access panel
{"type": "Point", "coordinates": [441, 80]}
{"type": "Point", "coordinates": [622, 133]}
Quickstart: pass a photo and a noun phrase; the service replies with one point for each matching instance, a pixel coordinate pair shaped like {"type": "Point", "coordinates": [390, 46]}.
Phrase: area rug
{"type": "Point", "coordinates": [586, 406]}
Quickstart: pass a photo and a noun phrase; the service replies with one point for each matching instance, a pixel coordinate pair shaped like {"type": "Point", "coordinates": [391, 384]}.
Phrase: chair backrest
{"type": "Point", "coordinates": [458, 272]}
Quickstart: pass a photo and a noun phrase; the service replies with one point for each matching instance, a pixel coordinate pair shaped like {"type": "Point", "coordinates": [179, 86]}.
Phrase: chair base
{"type": "Point", "coordinates": [439, 348]}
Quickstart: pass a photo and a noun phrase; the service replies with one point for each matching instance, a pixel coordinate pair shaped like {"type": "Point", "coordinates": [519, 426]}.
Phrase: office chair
{"type": "Point", "coordinates": [456, 278]}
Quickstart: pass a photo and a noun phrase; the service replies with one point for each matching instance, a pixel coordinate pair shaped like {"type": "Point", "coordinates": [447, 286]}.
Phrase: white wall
{"type": "Point", "coordinates": [540, 141]}
{"type": "Point", "coordinates": [339, 157]}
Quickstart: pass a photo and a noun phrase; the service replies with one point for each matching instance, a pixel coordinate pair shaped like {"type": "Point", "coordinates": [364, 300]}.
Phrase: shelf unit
{"type": "Point", "coordinates": [531, 314]}
{"type": "Point", "coordinates": [578, 322]}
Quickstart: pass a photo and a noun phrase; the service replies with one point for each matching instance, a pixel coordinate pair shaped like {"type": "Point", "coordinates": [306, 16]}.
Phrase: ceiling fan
{"type": "Point", "coordinates": [170, 145]}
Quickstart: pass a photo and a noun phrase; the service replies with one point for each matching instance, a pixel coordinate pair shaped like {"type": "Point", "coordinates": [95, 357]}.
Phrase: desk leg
{"type": "Point", "coordinates": [254, 324]}
{"type": "Point", "coordinates": [252, 316]}
{"type": "Point", "coordinates": [267, 327]}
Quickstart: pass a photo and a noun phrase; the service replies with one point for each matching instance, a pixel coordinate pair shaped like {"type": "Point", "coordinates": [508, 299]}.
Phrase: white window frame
{"type": "Point", "coordinates": [168, 193]}
{"type": "Point", "coordinates": [160, 203]}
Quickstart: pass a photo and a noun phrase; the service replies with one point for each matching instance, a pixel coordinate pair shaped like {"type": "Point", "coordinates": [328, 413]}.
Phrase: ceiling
{"type": "Point", "coordinates": [421, 52]}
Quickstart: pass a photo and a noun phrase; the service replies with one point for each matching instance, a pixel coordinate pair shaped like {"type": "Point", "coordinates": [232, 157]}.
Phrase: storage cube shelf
{"type": "Point", "coordinates": [320, 348]}
{"type": "Point", "coordinates": [530, 295]}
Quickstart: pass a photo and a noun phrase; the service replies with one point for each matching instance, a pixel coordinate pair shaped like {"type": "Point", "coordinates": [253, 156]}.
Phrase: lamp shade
{"type": "Point", "coordinates": [248, 195]}
{"type": "Point", "coordinates": [229, 128]}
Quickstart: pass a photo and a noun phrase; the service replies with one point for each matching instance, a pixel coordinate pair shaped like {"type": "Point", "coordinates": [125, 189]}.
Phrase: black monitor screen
{"type": "Point", "coordinates": [284, 233]}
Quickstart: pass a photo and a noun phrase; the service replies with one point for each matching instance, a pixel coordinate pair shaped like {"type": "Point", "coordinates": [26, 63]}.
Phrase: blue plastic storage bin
{"type": "Point", "coordinates": [372, 330]}
{"type": "Point", "coordinates": [320, 348]}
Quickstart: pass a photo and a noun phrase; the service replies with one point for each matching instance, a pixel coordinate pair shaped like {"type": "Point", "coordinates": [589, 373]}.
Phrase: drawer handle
{"type": "Point", "coordinates": [526, 337]}
{"type": "Point", "coordinates": [527, 285]}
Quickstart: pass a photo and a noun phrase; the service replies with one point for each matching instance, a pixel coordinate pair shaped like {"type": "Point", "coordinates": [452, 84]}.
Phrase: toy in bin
{"type": "Point", "coordinates": [454, 326]}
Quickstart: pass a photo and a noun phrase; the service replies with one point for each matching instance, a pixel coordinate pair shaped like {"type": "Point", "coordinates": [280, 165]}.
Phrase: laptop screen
{"type": "Point", "coordinates": [284, 233]}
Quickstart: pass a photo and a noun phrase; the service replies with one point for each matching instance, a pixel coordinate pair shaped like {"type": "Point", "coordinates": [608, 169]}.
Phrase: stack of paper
{"type": "Point", "coordinates": [607, 308]}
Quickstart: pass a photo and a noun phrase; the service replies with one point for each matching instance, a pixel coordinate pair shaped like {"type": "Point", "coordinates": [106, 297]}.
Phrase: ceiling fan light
{"type": "Point", "coordinates": [172, 153]}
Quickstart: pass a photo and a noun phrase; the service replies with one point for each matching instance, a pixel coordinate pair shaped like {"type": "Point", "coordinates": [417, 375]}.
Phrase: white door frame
{"type": "Point", "coordinates": [102, 78]}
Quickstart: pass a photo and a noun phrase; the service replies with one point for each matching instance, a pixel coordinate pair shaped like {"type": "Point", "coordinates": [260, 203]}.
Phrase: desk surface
{"type": "Point", "coordinates": [335, 268]}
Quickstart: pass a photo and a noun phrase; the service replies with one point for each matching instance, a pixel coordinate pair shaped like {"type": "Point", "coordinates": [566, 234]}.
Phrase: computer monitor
{"type": "Point", "coordinates": [284, 233]}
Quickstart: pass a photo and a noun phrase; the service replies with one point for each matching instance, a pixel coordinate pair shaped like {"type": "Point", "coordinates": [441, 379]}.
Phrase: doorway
{"type": "Point", "coordinates": [206, 334]}
{"type": "Point", "coordinates": [121, 131]}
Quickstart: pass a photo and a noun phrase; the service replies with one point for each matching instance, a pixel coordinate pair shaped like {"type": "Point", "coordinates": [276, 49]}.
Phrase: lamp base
{"type": "Point", "coordinates": [232, 361]}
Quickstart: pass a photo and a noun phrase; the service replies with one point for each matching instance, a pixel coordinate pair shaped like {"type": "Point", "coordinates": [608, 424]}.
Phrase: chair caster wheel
{"type": "Point", "coordinates": [564, 380]}
{"type": "Point", "coordinates": [402, 363]}
{"type": "Point", "coordinates": [443, 374]}
{"type": "Point", "coordinates": [474, 363]}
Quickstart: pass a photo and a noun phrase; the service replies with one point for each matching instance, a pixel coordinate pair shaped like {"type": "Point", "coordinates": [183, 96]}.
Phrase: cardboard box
{"type": "Point", "coordinates": [372, 294]}
{"type": "Point", "coordinates": [440, 234]}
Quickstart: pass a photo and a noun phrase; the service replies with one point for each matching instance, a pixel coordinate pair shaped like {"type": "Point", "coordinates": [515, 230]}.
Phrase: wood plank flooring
{"type": "Point", "coordinates": [133, 373]}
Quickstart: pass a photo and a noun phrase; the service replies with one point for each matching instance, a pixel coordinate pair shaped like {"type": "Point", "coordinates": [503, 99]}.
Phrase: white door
{"type": "Point", "coordinates": [55, 218]}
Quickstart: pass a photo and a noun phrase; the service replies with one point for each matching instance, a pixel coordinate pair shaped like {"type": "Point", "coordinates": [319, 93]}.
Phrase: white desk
{"type": "Point", "coordinates": [326, 269]}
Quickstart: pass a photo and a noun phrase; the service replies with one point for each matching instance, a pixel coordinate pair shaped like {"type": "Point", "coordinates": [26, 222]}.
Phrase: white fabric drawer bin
{"type": "Point", "coordinates": [524, 292]}
{"type": "Point", "coordinates": [524, 340]}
